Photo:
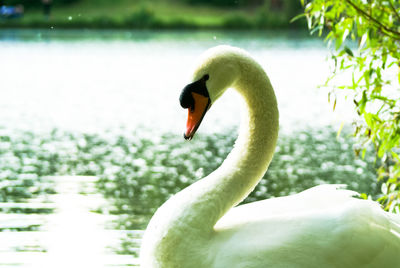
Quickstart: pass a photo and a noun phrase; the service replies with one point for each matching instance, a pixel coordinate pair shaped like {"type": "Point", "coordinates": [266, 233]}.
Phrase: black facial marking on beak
{"type": "Point", "coordinates": [199, 86]}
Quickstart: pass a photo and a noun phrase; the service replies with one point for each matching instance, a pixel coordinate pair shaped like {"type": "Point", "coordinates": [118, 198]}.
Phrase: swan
{"type": "Point", "coordinates": [200, 227]}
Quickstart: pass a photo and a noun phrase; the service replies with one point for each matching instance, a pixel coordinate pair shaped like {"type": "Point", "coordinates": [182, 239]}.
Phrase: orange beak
{"type": "Point", "coordinates": [196, 114]}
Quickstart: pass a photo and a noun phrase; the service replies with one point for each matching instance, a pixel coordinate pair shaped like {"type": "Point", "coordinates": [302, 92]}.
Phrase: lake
{"type": "Point", "coordinates": [104, 104]}
{"type": "Point", "coordinates": [94, 80]}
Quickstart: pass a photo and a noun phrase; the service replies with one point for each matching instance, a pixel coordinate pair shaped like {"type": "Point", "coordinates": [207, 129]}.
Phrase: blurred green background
{"type": "Point", "coordinates": [158, 14]}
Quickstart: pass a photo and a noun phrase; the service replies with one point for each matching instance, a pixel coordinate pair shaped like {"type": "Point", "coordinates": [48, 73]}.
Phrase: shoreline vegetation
{"type": "Point", "coordinates": [158, 14]}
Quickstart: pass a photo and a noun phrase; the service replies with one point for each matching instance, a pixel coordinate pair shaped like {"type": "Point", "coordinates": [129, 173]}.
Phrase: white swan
{"type": "Point", "coordinates": [321, 227]}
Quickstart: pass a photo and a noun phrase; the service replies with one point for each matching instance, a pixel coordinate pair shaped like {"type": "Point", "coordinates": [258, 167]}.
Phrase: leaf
{"type": "Point", "coordinates": [302, 15]}
{"type": "Point", "coordinates": [334, 104]}
{"type": "Point", "coordinates": [368, 119]}
{"type": "Point", "coordinates": [345, 34]}
{"type": "Point", "coordinates": [338, 44]}
{"type": "Point", "coordinates": [348, 51]}
{"type": "Point", "coordinates": [381, 151]}
{"type": "Point", "coordinates": [364, 151]}
{"type": "Point", "coordinates": [384, 188]}
{"type": "Point", "coordinates": [317, 28]}
{"type": "Point", "coordinates": [329, 36]}
{"type": "Point", "coordinates": [363, 102]}
{"type": "Point", "coordinates": [384, 58]}
{"type": "Point", "coordinates": [395, 156]}
{"type": "Point", "coordinates": [340, 130]}
{"type": "Point", "coordinates": [367, 75]}
{"type": "Point", "coordinates": [363, 40]}
{"type": "Point", "coordinates": [398, 75]}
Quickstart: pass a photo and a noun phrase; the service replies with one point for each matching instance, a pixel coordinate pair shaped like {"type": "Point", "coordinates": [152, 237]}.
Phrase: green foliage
{"type": "Point", "coordinates": [141, 18]}
{"type": "Point", "coordinates": [238, 21]}
{"type": "Point", "coordinates": [225, 3]}
{"type": "Point", "coordinates": [65, 2]}
{"type": "Point", "coordinates": [158, 14]}
{"type": "Point", "coordinates": [267, 16]}
{"type": "Point", "coordinates": [365, 36]}
{"type": "Point", "coordinates": [37, 3]}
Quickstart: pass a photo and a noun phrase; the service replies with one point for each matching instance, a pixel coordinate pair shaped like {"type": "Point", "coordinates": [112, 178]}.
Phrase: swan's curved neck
{"type": "Point", "coordinates": [248, 161]}
{"type": "Point", "coordinates": [189, 216]}
{"type": "Point", "coordinates": [203, 203]}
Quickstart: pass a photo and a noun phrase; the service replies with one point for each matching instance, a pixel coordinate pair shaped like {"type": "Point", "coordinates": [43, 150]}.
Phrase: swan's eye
{"type": "Point", "coordinates": [206, 77]}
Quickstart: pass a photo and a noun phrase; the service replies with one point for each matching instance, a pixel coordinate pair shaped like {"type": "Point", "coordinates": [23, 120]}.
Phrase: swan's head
{"type": "Point", "coordinates": [217, 70]}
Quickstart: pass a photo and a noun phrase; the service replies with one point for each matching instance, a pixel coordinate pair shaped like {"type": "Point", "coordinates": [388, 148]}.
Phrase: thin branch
{"type": "Point", "coordinates": [382, 26]}
{"type": "Point", "coordinates": [394, 9]}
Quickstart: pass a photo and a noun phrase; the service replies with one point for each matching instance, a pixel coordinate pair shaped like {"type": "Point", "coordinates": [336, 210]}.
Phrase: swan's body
{"type": "Point", "coordinates": [321, 227]}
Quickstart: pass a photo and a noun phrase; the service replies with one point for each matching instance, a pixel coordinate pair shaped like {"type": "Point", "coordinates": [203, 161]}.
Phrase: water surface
{"type": "Point", "coordinates": [94, 80]}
